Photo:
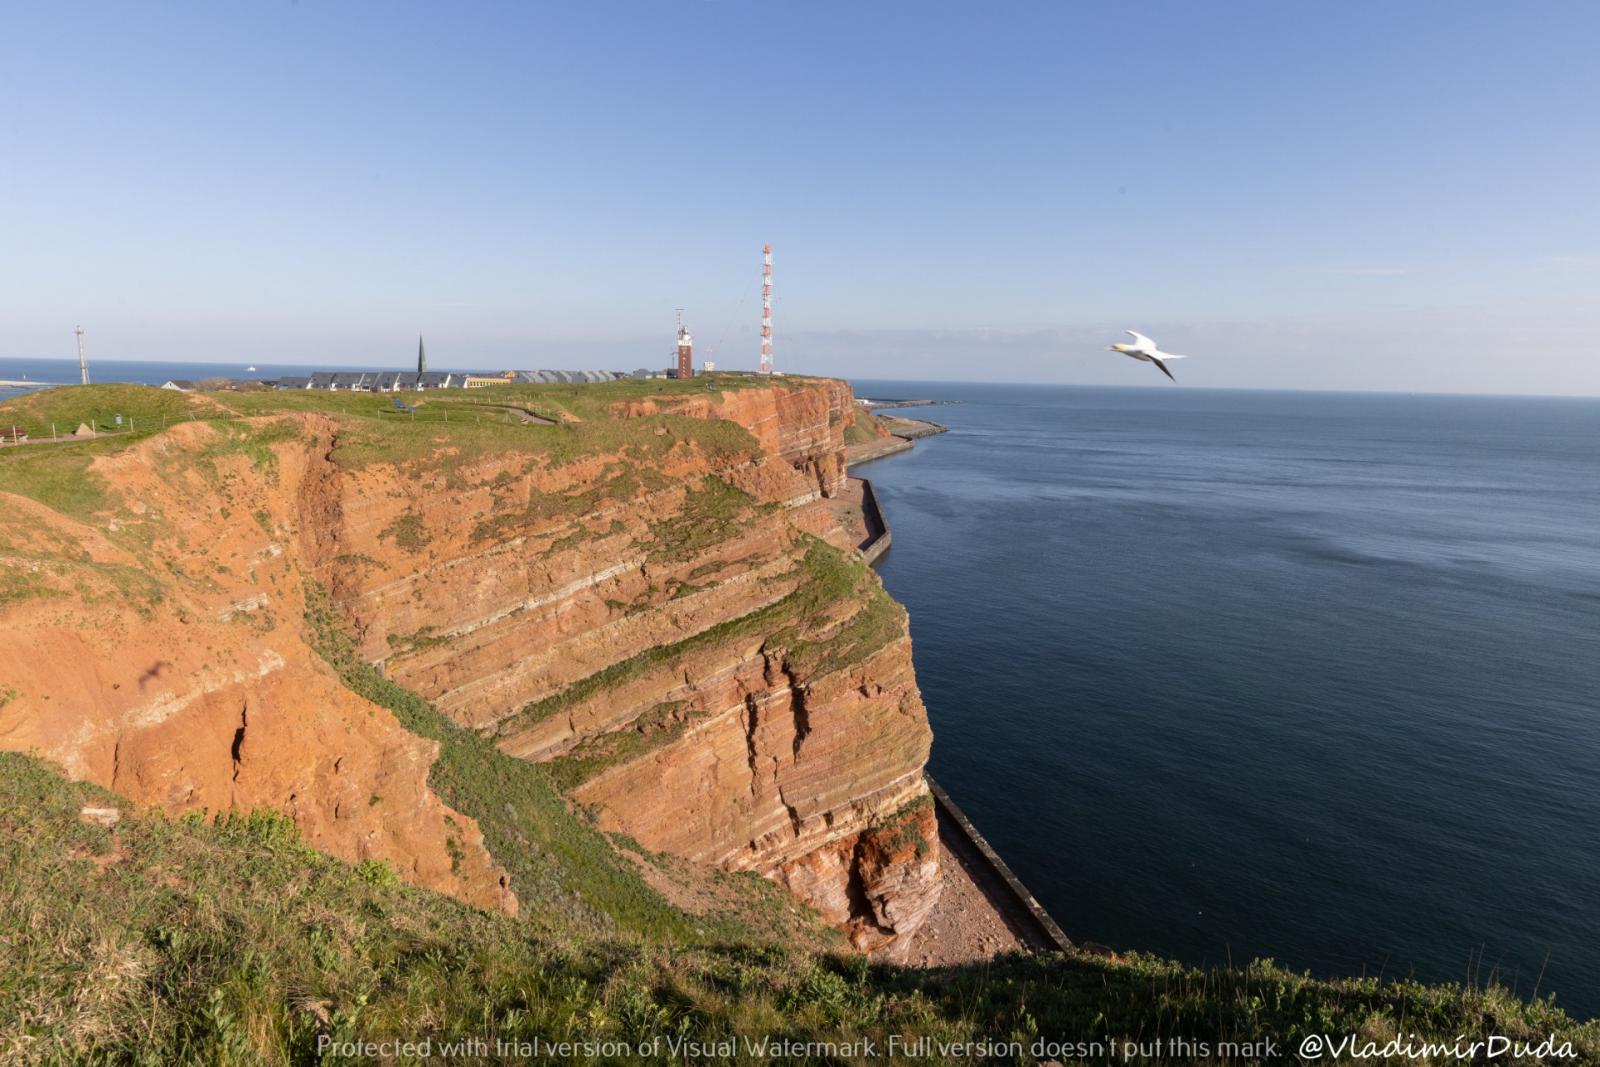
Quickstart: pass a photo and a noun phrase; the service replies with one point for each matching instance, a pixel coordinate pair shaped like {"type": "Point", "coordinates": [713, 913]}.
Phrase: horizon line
{"type": "Point", "coordinates": [865, 378]}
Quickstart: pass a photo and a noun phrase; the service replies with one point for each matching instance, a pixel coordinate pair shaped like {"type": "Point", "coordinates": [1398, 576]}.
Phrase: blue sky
{"type": "Point", "coordinates": [1374, 196]}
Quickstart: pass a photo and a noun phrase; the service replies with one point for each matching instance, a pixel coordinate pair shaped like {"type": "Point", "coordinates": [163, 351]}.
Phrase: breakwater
{"type": "Point", "coordinates": [878, 534]}
{"type": "Point", "coordinates": [1005, 890]}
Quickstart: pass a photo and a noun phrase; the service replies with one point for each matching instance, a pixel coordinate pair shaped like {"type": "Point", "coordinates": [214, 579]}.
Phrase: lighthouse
{"type": "Point", "coordinates": [685, 351]}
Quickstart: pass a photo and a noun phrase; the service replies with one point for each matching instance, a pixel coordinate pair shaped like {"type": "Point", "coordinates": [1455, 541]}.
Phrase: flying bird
{"type": "Point", "coordinates": [1145, 349]}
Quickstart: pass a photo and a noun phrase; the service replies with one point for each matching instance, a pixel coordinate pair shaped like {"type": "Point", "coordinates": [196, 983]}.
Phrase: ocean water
{"type": "Point", "coordinates": [65, 371]}
{"type": "Point", "coordinates": [1238, 674]}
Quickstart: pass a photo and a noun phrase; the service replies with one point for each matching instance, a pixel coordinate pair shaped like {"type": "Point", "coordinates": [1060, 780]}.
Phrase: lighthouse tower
{"type": "Point", "coordinates": [685, 350]}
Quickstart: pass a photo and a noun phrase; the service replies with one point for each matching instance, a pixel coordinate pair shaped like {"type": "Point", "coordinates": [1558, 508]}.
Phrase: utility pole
{"type": "Point", "coordinates": [83, 365]}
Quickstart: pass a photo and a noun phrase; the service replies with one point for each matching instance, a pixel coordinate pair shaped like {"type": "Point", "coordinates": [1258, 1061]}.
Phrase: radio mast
{"type": "Point", "coordinates": [766, 309]}
{"type": "Point", "coordinates": [83, 365]}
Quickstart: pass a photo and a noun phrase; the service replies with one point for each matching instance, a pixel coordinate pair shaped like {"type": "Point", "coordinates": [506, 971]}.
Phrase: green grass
{"type": "Point", "coordinates": [903, 829]}
{"type": "Point", "coordinates": [860, 432]}
{"type": "Point", "coordinates": [39, 564]}
{"type": "Point", "coordinates": [451, 427]}
{"type": "Point", "coordinates": [144, 409]}
{"type": "Point", "coordinates": [656, 728]}
{"type": "Point", "coordinates": [712, 513]}
{"type": "Point", "coordinates": [408, 532]}
{"type": "Point", "coordinates": [825, 575]}
{"type": "Point", "coordinates": [19, 584]}
{"type": "Point", "coordinates": [58, 476]}
{"type": "Point", "coordinates": [253, 441]}
{"type": "Point", "coordinates": [562, 869]}
{"type": "Point", "coordinates": [232, 942]}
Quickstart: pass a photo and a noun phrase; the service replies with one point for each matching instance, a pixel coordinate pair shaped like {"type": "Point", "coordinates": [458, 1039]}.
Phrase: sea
{"type": "Point", "coordinates": [1239, 674]}
{"type": "Point", "coordinates": [1236, 674]}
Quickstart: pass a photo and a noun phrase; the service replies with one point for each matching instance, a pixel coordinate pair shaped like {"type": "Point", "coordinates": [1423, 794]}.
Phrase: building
{"type": "Point", "coordinates": [707, 367]}
{"type": "Point", "coordinates": [292, 383]}
{"type": "Point", "coordinates": [405, 381]}
{"type": "Point", "coordinates": [344, 381]}
{"type": "Point", "coordinates": [219, 385]}
{"type": "Point", "coordinates": [567, 377]}
{"type": "Point", "coordinates": [393, 381]}
{"type": "Point", "coordinates": [685, 352]}
{"type": "Point", "coordinates": [480, 381]}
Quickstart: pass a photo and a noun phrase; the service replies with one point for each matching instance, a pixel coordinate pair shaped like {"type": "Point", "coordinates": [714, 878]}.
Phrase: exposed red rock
{"type": "Point", "coordinates": [501, 583]}
{"type": "Point", "coordinates": [200, 693]}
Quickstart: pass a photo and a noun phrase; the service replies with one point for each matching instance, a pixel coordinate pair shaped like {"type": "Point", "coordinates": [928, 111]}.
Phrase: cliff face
{"type": "Point", "coordinates": [157, 649]}
{"type": "Point", "coordinates": [657, 598]}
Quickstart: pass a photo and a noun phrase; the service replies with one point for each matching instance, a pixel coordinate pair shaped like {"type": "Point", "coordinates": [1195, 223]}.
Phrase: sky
{"type": "Point", "coordinates": [1329, 196]}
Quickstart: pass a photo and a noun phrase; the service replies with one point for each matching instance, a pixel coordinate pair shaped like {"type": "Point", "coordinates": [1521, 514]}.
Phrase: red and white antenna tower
{"type": "Point", "coordinates": [766, 309]}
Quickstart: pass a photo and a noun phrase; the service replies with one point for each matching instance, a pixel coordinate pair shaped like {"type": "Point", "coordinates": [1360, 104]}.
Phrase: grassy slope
{"type": "Point", "coordinates": [569, 878]}
{"type": "Point", "coordinates": [232, 942]}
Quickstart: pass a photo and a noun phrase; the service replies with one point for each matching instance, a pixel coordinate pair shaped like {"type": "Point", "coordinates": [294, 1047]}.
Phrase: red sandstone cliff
{"type": "Point", "coordinates": [652, 613]}
{"type": "Point", "coordinates": [176, 671]}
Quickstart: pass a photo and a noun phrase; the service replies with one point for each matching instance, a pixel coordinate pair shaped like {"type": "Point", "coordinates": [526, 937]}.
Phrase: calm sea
{"type": "Point", "coordinates": [1239, 674]}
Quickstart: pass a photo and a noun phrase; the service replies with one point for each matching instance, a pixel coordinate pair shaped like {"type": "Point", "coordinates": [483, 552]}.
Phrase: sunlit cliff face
{"type": "Point", "coordinates": [674, 620]}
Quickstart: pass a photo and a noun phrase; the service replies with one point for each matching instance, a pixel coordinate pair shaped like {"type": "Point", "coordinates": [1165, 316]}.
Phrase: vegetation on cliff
{"type": "Point", "coordinates": [799, 621]}
{"type": "Point", "coordinates": [54, 467]}
{"type": "Point", "coordinates": [567, 875]}
{"type": "Point", "coordinates": [229, 941]}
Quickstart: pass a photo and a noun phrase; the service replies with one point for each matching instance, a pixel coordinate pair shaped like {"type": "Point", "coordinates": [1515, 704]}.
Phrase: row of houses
{"type": "Point", "coordinates": [389, 381]}
{"type": "Point", "coordinates": [413, 381]}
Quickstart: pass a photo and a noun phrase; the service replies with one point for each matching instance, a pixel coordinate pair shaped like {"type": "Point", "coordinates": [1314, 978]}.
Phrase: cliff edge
{"type": "Point", "coordinates": [656, 597]}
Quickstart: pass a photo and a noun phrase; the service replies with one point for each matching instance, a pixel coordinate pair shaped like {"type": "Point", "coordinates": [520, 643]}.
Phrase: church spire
{"type": "Point", "coordinates": [422, 356]}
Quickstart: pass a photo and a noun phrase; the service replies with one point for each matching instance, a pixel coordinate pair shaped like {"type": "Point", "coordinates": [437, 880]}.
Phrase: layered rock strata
{"type": "Point", "coordinates": [659, 600]}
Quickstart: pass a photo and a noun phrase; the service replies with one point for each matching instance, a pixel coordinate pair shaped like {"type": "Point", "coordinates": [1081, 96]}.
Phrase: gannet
{"type": "Point", "coordinates": [1145, 349]}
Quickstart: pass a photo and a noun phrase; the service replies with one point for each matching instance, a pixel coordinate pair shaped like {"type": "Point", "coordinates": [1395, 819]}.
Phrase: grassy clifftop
{"type": "Point", "coordinates": [574, 422]}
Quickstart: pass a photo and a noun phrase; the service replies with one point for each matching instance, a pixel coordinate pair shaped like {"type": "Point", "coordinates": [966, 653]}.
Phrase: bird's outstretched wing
{"type": "Point", "coordinates": [1141, 340]}
{"type": "Point", "coordinates": [1162, 367]}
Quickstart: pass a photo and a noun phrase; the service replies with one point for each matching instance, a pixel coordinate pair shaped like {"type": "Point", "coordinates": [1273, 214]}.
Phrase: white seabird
{"type": "Point", "coordinates": [1145, 349]}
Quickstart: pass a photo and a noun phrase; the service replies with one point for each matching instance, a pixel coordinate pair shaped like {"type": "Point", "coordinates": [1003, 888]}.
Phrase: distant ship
{"type": "Point", "coordinates": [247, 369]}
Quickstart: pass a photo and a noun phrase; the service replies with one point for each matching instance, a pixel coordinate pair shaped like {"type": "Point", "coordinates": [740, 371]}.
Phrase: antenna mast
{"type": "Point", "coordinates": [83, 365]}
{"type": "Point", "coordinates": [766, 309]}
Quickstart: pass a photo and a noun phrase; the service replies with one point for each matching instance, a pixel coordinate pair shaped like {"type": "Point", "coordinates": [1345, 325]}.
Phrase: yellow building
{"type": "Point", "coordinates": [479, 381]}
